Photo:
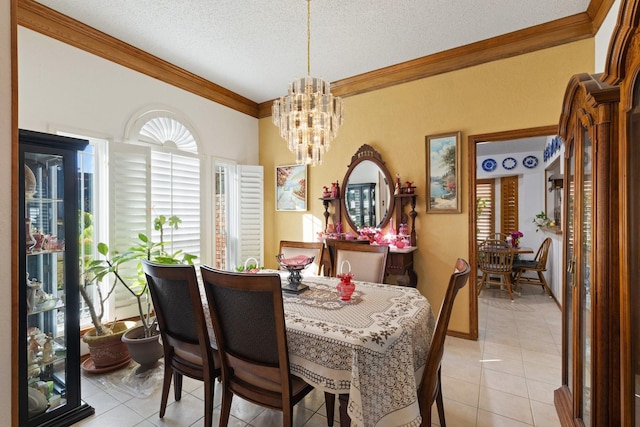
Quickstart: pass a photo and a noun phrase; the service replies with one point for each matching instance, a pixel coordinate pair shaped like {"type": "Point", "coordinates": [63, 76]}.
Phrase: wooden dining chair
{"type": "Point", "coordinates": [537, 265]}
{"type": "Point", "coordinates": [247, 313]}
{"type": "Point", "coordinates": [430, 389]}
{"type": "Point", "coordinates": [368, 262]}
{"type": "Point", "coordinates": [495, 261]}
{"type": "Point", "coordinates": [185, 336]}
{"type": "Point", "coordinates": [310, 249]}
{"type": "Point", "coordinates": [330, 249]}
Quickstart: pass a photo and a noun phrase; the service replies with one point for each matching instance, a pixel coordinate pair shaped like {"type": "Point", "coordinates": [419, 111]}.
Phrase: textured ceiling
{"type": "Point", "coordinates": [255, 48]}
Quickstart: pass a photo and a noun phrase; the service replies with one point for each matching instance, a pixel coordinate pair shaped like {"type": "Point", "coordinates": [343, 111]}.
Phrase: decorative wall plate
{"type": "Point", "coordinates": [530, 162]}
{"type": "Point", "coordinates": [489, 165]}
{"type": "Point", "coordinates": [509, 163]}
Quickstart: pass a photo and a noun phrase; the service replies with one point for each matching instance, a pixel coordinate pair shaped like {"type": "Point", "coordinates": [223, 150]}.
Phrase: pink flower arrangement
{"type": "Point", "coordinates": [515, 238]}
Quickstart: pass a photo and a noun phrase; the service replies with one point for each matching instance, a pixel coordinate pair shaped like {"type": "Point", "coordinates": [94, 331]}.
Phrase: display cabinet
{"type": "Point", "coordinates": [623, 68]}
{"type": "Point", "coordinates": [589, 395]}
{"type": "Point", "coordinates": [49, 329]}
{"type": "Point", "coordinates": [361, 201]}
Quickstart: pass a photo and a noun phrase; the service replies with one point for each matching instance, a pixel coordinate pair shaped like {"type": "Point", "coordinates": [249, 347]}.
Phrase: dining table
{"type": "Point", "coordinates": [372, 348]}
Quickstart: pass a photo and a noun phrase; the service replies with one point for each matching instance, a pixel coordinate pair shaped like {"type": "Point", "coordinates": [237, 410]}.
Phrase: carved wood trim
{"type": "Point", "coordinates": [570, 29]}
{"type": "Point", "coordinates": [47, 21]}
{"type": "Point", "coordinates": [472, 140]}
{"type": "Point", "coordinates": [42, 19]}
{"type": "Point", "coordinates": [626, 26]}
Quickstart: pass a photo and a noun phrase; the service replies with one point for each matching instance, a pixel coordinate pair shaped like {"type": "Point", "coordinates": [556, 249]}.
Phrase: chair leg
{"type": "Point", "coordinates": [330, 404]}
{"type": "Point", "coordinates": [287, 416]}
{"type": "Point", "coordinates": [440, 402]}
{"type": "Point", "coordinates": [177, 386]}
{"type": "Point", "coordinates": [482, 280]}
{"type": "Point", "coordinates": [225, 408]}
{"type": "Point", "coordinates": [166, 384]}
{"type": "Point", "coordinates": [543, 281]}
{"type": "Point", "coordinates": [209, 386]}
{"type": "Point", "coordinates": [507, 279]}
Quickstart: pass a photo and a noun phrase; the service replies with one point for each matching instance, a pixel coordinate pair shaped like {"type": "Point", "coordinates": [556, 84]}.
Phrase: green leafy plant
{"type": "Point", "coordinates": [541, 220]}
{"type": "Point", "coordinates": [112, 263]}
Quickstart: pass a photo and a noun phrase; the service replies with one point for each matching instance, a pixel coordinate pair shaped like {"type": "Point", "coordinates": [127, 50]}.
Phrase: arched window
{"type": "Point", "coordinates": [155, 172]}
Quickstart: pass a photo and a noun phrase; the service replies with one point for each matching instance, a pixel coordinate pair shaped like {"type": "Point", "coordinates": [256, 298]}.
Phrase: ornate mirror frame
{"type": "Point", "coordinates": [367, 153]}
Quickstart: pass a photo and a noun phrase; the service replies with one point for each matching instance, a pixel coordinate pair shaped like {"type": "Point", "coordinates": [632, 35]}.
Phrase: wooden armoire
{"type": "Point", "coordinates": [600, 125]}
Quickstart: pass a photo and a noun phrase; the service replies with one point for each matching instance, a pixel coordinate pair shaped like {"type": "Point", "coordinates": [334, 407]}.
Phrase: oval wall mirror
{"type": "Point", "coordinates": [367, 190]}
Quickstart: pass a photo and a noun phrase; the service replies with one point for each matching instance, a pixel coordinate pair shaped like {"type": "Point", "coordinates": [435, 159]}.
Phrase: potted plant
{"type": "Point", "coordinates": [107, 352]}
{"type": "Point", "coordinates": [146, 335]}
{"type": "Point", "coordinates": [541, 220]}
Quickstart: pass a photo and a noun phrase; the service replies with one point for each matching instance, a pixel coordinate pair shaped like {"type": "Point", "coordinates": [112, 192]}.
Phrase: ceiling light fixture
{"type": "Point", "coordinates": [309, 116]}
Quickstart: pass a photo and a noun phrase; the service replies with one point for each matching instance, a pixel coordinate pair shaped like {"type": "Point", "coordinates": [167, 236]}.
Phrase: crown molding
{"type": "Point", "coordinates": [51, 23]}
{"type": "Point", "coordinates": [44, 20]}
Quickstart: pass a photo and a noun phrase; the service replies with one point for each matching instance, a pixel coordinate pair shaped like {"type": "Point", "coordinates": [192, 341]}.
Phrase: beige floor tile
{"type": "Point", "coordinates": [505, 351]}
{"type": "Point", "coordinates": [543, 372]}
{"type": "Point", "coordinates": [505, 404]}
{"type": "Point", "coordinates": [460, 391]}
{"type": "Point", "coordinates": [183, 413]}
{"type": "Point", "coordinates": [470, 373]}
{"type": "Point", "coordinates": [456, 414]}
{"type": "Point", "coordinates": [120, 416]}
{"type": "Point", "coordinates": [541, 391]}
{"type": "Point", "coordinates": [541, 357]}
{"type": "Point", "coordinates": [507, 383]}
{"type": "Point", "coordinates": [489, 419]}
{"type": "Point", "coordinates": [498, 363]}
{"type": "Point", "coordinates": [544, 415]}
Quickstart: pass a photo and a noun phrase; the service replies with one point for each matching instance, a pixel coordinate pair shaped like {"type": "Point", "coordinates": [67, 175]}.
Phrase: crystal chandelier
{"type": "Point", "coordinates": [309, 116]}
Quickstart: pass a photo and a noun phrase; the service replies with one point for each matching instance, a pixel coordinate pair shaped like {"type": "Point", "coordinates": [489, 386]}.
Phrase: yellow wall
{"type": "Point", "coordinates": [514, 93]}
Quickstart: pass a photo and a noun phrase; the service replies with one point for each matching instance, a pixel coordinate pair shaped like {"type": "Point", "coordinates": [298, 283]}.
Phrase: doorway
{"type": "Point", "coordinates": [473, 141]}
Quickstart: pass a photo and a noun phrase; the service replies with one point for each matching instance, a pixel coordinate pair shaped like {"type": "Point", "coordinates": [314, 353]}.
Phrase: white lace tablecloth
{"type": "Point", "coordinates": [373, 348]}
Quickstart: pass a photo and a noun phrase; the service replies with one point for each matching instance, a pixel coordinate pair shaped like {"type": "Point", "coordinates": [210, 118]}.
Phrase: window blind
{"type": "Point", "coordinates": [485, 204]}
{"type": "Point", "coordinates": [509, 204]}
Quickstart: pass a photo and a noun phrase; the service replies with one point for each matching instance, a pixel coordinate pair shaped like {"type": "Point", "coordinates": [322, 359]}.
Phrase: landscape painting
{"type": "Point", "coordinates": [443, 159]}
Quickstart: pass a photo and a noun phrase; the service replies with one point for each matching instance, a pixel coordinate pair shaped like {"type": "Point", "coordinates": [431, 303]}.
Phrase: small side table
{"type": "Point", "coordinates": [402, 218]}
{"type": "Point", "coordinates": [400, 262]}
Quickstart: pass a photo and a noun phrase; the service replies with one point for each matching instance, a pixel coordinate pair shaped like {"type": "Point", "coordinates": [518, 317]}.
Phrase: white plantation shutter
{"type": "Point", "coordinates": [129, 185]}
{"type": "Point", "coordinates": [175, 190]}
{"type": "Point", "coordinates": [147, 182]}
{"type": "Point", "coordinates": [251, 214]}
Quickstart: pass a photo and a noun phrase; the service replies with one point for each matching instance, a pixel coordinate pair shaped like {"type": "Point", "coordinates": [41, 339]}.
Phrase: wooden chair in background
{"type": "Point", "coordinates": [495, 261]}
{"type": "Point", "coordinates": [185, 336]}
{"type": "Point", "coordinates": [368, 262]}
{"type": "Point", "coordinates": [330, 253]}
{"type": "Point", "coordinates": [430, 389]}
{"type": "Point", "coordinates": [311, 249]}
{"type": "Point", "coordinates": [538, 265]}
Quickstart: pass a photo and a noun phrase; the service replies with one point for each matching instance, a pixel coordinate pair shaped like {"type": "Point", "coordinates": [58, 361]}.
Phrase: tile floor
{"type": "Point", "coordinates": [506, 378]}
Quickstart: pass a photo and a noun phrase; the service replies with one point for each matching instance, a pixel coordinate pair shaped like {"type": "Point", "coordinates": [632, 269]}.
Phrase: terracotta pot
{"type": "Point", "coordinates": [145, 351]}
{"type": "Point", "coordinates": [108, 352]}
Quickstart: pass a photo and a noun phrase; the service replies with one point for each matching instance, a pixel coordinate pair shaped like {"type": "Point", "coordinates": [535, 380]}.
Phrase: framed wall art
{"type": "Point", "coordinates": [291, 188]}
{"type": "Point", "coordinates": [443, 177]}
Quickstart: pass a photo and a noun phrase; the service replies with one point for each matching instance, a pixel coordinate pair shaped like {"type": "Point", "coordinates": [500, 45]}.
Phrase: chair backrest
{"type": "Point", "coordinates": [178, 307]}
{"type": "Point", "coordinates": [247, 313]}
{"type": "Point", "coordinates": [430, 375]}
{"type": "Point", "coordinates": [542, 254]}
{"type": "Point", "coordinates": [368, 262]}
{"type": "Point", "coordinates": [311, 249]}
{"type": "Point", "coordinates": [495, 256]}
{"type": "Point", "coordinates": [330, 246]}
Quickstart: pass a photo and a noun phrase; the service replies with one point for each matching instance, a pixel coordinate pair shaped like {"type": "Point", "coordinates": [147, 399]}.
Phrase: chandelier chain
{"type": "Point", "coordinates": [308, 37]}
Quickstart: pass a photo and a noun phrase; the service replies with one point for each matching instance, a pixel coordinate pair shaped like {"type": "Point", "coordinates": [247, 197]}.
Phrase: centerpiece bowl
{"type": "Point", "coordinates": [294, 265]}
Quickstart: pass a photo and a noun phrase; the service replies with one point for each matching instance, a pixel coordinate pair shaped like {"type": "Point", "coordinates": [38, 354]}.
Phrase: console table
{"type": "Point", "coordinates": [400, 262]}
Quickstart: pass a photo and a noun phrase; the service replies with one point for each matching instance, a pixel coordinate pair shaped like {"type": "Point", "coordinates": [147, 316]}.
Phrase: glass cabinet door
{"type": "Point", "coordinates": [45, 279]}
{"type": "Point", "coordinates": [586, 263]}
{"type": "Point", "coordinates": [570, 264]}
{"type": "Point", "coordinates": [49, 350]}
